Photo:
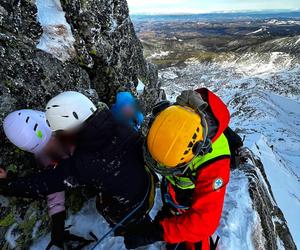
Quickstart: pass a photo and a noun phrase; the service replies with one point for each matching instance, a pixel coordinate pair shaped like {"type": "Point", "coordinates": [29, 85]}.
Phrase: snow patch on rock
{"type": "Point", "coordinates": [257, 31]}
{"type": "Point", "coordinates": [160, 54]}
{"type": "Point", "coordinates": [169, 75]}
{"type": "Point", "coordinates": [140, 87]}
{"type": "Point", "coordinates": [57, 38]}
{"type": "Point", "coordinates": [10, 237]}
{"type": "Point", "coordinates": [285, 186]}
{"type": "Point", "coordinates": [281, 22]}
{"type": "Point", "coordinates": [253, 64]}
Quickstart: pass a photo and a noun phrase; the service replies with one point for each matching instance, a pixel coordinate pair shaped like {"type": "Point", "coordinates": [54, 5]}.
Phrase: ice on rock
{"type": "Point", "coordinates": [57, 38]}
{"type": "Point", "coordinates": [140, 87]}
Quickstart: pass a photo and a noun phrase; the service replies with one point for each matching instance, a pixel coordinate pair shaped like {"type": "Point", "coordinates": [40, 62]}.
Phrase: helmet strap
{"type": "Point", "coordinates": [204, 146]}
{"type": "Point", "coordinates": [158, 108]}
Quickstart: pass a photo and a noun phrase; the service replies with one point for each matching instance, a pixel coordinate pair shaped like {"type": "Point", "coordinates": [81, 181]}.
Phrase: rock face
{"type": "Point", "coordinates": [108, 48]}
{"type": "Point", "coordinates": [108, 57]}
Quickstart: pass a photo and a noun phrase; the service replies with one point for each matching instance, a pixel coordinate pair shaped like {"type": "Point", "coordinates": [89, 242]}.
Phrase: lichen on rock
{"type": "Point", "coordinates": [107, 57]}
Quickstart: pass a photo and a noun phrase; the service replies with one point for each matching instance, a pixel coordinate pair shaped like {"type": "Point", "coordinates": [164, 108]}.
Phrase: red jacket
{"type": "Point", "coordinates": [202, 219]}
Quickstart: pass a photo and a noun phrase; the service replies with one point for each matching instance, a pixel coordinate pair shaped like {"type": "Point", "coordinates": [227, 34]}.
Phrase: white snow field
{"type": "Point", "coordinates": [57, 38]}
{"type": "Point", "coordinates": [237, 211]}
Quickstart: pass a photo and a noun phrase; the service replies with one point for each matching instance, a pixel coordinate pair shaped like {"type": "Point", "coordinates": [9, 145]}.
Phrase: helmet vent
{"type": "Point", "coordinates": [35, 127]}
{"type": "Point", "coordinates": [27, 119]}
{"type": "Point", "coordinates": [55, 106]}
{"type": "Point", "coordinates": [48, 123]}
{"type": "Point", "coordinates": [198, 129]}
{"type": "Point", "coordinates": [75, 115]}
{"type": "Point", "coordinates": [186, 152]}
{"type": "Point", "coordinates": [194, 136]}
{"type": "Point", "coordinates": [92, 110]}
{"type": "Point", "coordinates": [19, 113]}
{"type": "Point", "coordinates": [65, 116]}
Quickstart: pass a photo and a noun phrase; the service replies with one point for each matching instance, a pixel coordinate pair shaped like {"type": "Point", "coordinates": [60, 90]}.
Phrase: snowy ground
{"type": "Point", "coordinates": [88, 220]}
{"type": "Point", "coordinates": [237, 211]}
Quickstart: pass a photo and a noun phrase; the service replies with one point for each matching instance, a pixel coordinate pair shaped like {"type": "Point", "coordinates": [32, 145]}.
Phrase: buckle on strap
{"type": "Point", "coordinates": [169, 200]}
{"type": "Point", "coordinates": [213, 244]}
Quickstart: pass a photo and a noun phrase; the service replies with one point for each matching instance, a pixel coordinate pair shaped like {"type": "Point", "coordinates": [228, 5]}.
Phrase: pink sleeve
{"type": "Point", "coordinates": [56, 203]}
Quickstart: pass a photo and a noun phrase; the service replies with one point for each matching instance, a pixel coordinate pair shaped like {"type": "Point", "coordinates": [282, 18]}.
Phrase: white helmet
{"type": "Point", "coordinates": [68, 110]}
{"type": "Point", "coordinates": [27, 129]}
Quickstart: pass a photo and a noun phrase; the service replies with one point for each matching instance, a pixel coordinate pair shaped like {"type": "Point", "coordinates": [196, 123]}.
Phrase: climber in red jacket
{"type": "Point", "coordinates": [186, 145]}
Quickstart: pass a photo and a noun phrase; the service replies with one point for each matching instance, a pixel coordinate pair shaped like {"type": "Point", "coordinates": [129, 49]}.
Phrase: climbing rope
{"type": "Point", "coordinates": [125, 218]}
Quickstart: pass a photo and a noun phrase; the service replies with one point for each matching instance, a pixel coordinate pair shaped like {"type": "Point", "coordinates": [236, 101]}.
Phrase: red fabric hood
{"type": "Point", "coordinates": [217, 108]}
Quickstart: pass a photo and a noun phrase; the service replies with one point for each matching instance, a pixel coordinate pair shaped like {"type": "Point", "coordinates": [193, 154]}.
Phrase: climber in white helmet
{"type": "Point", "coordinates": [108, 156]}
{"type": "Point", "coordinates": [68, 110]}
{"type": "Point", "coordinates": [27, 129]}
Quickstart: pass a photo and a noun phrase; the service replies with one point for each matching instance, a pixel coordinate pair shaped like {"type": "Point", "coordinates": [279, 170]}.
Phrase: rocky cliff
{"type": "Point", "coordinates": [48, 46]}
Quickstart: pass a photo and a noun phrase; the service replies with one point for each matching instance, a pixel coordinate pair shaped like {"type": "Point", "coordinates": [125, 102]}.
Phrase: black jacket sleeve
{"type": "Point", "coordinates": [40, 184]}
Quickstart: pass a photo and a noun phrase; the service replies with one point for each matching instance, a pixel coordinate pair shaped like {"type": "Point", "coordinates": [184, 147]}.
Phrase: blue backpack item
{"type": "Point", "coordinates": [125, 102]}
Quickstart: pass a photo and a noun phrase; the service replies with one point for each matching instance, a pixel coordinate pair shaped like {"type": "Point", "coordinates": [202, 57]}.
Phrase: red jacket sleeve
{"type": "Point", "coordinates": [202, 219]}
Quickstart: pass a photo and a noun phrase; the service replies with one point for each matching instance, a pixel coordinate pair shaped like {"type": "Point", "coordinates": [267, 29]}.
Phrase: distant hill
{"type": "Point", "coordinates": [218, 16]}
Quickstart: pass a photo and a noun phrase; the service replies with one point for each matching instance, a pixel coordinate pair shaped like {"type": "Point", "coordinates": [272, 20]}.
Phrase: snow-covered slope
{"type": "Point", "coordinates": [237, 211]}
{"type": "Point", "coordinates": [262, 91]}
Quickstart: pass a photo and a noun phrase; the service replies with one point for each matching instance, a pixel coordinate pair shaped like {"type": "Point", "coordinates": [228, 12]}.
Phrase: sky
{"type": "Point", "coordinates": [204, 6]}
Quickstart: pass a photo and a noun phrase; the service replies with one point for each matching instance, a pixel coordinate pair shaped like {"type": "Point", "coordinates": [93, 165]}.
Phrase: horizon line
{"type": "Point", "coordinates": [215, 12]}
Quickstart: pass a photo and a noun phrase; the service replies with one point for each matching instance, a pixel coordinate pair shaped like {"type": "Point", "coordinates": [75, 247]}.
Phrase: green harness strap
{"type": "Point", "coordinates": [220, 149]}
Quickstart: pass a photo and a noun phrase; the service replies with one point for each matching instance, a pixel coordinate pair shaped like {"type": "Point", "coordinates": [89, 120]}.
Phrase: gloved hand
{"type": "Point", "coordinates": [58, 230]}
{"type": "Point", "coordinates": [143, 234]}
{"type": "Point", "coordinates": [191, 99]}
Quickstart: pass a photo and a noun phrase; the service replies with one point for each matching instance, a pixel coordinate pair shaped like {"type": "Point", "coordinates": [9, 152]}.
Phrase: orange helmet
{"type": "Point", "coordinates": [174, 136]}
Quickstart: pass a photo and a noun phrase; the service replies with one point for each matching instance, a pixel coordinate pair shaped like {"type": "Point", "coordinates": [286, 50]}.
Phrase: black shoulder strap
{"type": "Point", "coordinates": [213, 244]}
